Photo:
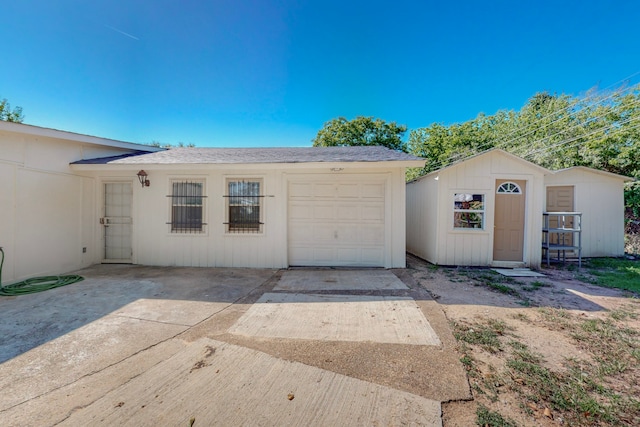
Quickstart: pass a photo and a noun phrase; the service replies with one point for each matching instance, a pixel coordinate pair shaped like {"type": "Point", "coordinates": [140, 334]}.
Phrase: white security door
{"type": "Point", "coordinates": [337, 221]}
{"type": "Point", "coordinates": [117, 222]}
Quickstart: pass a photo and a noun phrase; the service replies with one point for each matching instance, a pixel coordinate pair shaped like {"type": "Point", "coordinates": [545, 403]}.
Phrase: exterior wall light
{"type": "Point", "coordinates": [142, 177]}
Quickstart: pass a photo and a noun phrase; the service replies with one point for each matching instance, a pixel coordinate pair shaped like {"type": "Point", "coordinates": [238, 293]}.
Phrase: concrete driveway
{"type": "Point", "coordinates": [134, 345]}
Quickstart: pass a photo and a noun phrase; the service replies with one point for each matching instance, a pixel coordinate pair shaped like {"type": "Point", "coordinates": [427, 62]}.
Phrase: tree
{"type": "Point", "coordinates": [361, 131]}
{"type": "Point", "coordinates": [169, 145]}
{"type": "Point", "coordinates": [8, 115]}
{"type": "Point", "coordinates": [599, 130]}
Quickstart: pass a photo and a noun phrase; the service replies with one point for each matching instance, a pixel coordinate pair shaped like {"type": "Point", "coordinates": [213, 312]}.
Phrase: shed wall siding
{"type": "Point", "coordinates": [436, 240]}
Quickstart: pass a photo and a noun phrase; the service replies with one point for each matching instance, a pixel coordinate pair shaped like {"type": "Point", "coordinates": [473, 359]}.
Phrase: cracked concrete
{"type": "Point", "coordinates": [131, 345]}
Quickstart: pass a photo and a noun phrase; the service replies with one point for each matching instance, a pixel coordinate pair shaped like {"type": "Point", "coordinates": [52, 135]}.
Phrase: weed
{"type": "Point", "coordinates": [622, 314]}
{"type": "Point", "coordinates": [555, 319]}
{"type": "Point", "coordinates": [522, 317]}
{"type": "Point", "coordinates": [501, 288]}
{"type": "Point", "coordinates": [467, 362]}
{"type": "Point", "coordinates": [485, 335]}
{"type": "Point", "coordinates": [486, 417]}
{"type": "Point", "coordinates": [534, 286]}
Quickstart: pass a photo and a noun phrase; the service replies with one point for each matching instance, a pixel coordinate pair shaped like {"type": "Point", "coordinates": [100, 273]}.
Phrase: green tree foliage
{"type": "Point", "coordinates": [9, 115]}
{"type": "Point", "coordinates": [169, 145]}
{"type": "Point", "coordinates": [599, 130]}
{"type": "Point", "coordinates": [360, 131]}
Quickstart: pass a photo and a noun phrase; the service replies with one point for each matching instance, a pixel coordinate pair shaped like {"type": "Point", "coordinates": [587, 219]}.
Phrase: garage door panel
{"type": "Point", "coordinates": [323, 233]}
{"type": "Point", "coordinates": [348, 256]}
{"type": "Point", "coordinates": [347, 212]}
{"type": "Point", "coordinates": [324, 254]}
{"type": "Point", "coordinates": [348, 190]}
{"type": "Point", "coordinates": [323, 211]}
{"type": "Point", "coordinates": [299, 233]}
{"type": "Point", "coordinates": [300, 189]}
{"type": "Point", "coordinates": [347, 234]}
{"type": "Point", "coordinates": [372, 256]}
{"type": "Point", "coordinates": [372, 234]}
{"type": "Point", "coordinates": [300, 211]}
{"type": "Point", "coordinates": [373, 190]}
{"type": "Point", "coordinates": [373, 212]}
{"type": "Point", "coordinates": [323, 190]}
{"type": "Point", "coordinates": [337, 223]}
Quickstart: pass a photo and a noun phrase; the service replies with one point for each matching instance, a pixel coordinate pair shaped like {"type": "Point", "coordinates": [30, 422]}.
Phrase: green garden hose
{"type": "Point", "coordinates": [35, 284]}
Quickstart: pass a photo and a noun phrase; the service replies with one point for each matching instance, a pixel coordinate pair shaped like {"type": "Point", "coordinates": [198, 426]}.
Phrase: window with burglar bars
{"type": "Point", "coordinates": [187, 206]}
{"type": "Point", "coordinates": [244, 202]}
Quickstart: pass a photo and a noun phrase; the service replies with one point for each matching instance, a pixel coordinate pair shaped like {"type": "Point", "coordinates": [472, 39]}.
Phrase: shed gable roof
{"type": "Point", "coordinates": [595, 171]}
{"type": "Point", "coordinates": [492, 151]}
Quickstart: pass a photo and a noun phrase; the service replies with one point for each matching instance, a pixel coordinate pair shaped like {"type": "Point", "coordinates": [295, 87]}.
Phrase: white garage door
{"type": "Point", "coordinates": [337, 221]}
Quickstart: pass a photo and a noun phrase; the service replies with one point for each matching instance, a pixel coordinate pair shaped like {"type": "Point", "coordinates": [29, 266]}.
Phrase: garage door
{"type": "Point", "coordinates": [337, 221]}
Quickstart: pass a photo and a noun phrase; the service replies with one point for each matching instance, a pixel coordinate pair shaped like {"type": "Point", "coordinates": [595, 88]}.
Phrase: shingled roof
{"type": "Point", "coordinates": [176, 156]}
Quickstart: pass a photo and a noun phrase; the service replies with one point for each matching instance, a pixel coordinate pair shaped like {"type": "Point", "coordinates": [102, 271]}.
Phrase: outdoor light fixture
{"type": "Point", "coordinates": [142, 177]}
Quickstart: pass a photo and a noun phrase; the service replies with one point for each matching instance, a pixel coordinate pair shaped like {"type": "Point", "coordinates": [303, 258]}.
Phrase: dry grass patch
{"type": "Point", "coordinates": [601, 391]}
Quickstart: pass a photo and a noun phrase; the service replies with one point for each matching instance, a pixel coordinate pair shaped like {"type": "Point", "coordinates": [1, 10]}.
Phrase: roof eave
{"type": "Point", "coordinates": [71, 136]}
{"type": "Point", "coordinates": [255, 165]}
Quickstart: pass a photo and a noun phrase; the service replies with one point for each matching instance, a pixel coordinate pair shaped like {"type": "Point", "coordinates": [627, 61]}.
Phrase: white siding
{"type": "Point", "coordinates": [154, 244]}
{"type": "Point", "coordinates": [422, 224]}
{"type": "Point", "coordinates": [600, 198]}
{"type": "Point", "coordinates": [430, 230]}
{"type": "Point", "coordinates": [47, 211]}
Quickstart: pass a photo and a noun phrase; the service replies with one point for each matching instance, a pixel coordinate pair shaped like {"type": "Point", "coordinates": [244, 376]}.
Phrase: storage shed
{"type": "Point", "coordinates": [483, 211]}
{"type": "Point", "coordinates": [599, 196]}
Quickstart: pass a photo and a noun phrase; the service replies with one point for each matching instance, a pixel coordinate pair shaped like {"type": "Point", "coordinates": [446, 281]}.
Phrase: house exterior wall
{"type": "Point", "coordinates": [422, 209]}
{"type": "Point", "coordinates": [46, 215]}
{"type": "Point", "coordinates": [155, 244]}
{"type": "Point", "coordinates": [600, 198]}
{"type": "Point", "coordinates": [447, 245]}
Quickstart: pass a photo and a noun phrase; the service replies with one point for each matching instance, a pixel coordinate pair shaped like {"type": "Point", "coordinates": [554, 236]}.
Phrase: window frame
{"type": "Point", "coordinates": [509, 187]}
{"type": "Point", "coordinates": [458, 210]}
{"type": "Point", "coordinates": [177, 228]}
{"type": "Point", "coordinates": [231, 228]}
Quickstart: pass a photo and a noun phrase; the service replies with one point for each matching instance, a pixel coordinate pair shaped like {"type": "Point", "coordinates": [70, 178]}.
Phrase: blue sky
{"type": "Point", "coordinates": [237, 73]}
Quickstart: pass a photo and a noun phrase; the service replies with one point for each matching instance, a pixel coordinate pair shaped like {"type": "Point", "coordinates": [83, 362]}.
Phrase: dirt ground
{"type": "Point", "coordinates": [539, 313]}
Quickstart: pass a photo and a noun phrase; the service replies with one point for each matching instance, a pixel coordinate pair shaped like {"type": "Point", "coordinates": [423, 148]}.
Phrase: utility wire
{"type": "Point", "coordinates": [504, 141]}
{"type": "Point", "coordinates": [529, 154]}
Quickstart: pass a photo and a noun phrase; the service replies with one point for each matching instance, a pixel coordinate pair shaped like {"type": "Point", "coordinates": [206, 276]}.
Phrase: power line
{"type": "Point", "coordinates": [571, 112]}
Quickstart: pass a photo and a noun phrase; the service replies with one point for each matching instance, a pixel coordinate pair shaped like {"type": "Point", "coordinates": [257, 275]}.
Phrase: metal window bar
{"type": "Point", "coordinates": [187, 207]}
{"type": "Point", "coordinates": [244, 205]}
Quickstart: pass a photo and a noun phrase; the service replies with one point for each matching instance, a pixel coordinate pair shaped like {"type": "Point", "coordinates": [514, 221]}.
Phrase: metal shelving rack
{"type": "Point", "coordinates": [567, 230]}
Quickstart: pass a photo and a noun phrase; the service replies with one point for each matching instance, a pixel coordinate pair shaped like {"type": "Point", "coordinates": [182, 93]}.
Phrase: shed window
{"type": "Point", "coordinates": [244, 206]}
{"type": "Point", "coordinates": [187, 206]}
{"type": "Point", "coordinates": [509, 188]}
{"type": "Point", "coordinates": [468, 210]}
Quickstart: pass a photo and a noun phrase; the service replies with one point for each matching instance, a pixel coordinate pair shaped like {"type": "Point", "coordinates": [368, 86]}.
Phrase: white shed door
{"type": "Point", "coordinates": [337, 221]}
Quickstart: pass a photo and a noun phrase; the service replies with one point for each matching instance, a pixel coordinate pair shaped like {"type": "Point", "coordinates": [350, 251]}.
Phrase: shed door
{"type": "Point", "coordinates": [337, 221]}
{"type": "Point", "coordinates": [117, 222]}
{"type": "Point", "coordinates": [508, 239]}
